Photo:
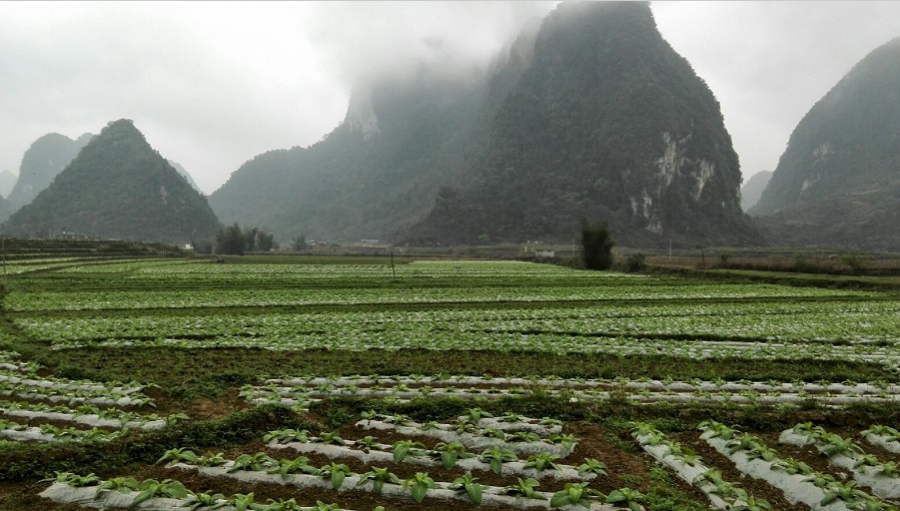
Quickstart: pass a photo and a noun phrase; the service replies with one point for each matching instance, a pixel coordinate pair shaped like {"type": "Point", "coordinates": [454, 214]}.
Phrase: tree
{"type": "Point", "coordinates": [596, 245]}
{"type": "Point", "coordinates": [299, 243]}
{"type": "Point", "coordinates": [250, 239]}
{"type": "Point", "coordinates": [265, 242]}
{"type": "Point", "coordinates": [230, 240]}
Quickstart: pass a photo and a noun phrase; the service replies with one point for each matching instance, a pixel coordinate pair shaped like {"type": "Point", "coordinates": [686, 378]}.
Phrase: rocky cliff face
{"type": "Point", "coordinates": [607, 122]}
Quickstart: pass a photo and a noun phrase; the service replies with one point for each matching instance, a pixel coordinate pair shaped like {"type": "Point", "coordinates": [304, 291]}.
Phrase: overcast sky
{"type": "Point", "coordinates": [212, 84]}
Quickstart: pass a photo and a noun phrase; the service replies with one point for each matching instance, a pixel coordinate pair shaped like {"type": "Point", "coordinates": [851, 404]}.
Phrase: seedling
{"type": "Point", "coordinates": [166, 488]}
{"type": "Point", "coordinates": [258, 461]}
{"type": "Point", "coordinates": [575, 494]}
{"type": "Point", "coordinates": [298, 465]}
{"type": "Point", "coordinates": [177, 456]}
{"type": "Point", "coordinates": [627, 497]}
{"type": "Point", "coordinates": [379, 477]}
{"type": "Point", "coordinates": [336, 473]}
{"type": "Point", "coordinates": [468, 485]}
{"type": "Point", "coordinates": [419, 485]}
{"type": "Point", "coordinates": [496, 457]}
{"type": "Point", "coordinates": [403, 448]}
{"type": "Point", "coordinates": [450, 453]}
{"type": "Point", "coordinates": [543, 461]}
{"type": "Point", "coordinates": [593, 466]}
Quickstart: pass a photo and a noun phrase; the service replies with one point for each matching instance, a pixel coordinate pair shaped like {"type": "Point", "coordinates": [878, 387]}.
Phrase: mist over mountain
{"type": "Point", "coordinates": [117, 187]}
{"type": "Point", "coordinates": [7, 181]}
{"type": "Point", "coordinates": [753, 188]}
{"type": "Point", "coordinates": [5, 209]}
{"type": "Point", "coordinates": [42, 162]}
{"type": "Point", "coordinates": [185, 174]}
{"type": "Point", "coordinates": [838, 181]}
{"type": "Point", "coordinates": [591, 114]}
{"type": "Point", "coordinates": [607, 122]}
{"type": "Point", "coordinates": [378, 170]}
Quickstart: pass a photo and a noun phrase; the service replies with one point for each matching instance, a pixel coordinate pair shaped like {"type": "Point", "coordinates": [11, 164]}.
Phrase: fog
{"type": "Point", "coordinates": [212, 84]}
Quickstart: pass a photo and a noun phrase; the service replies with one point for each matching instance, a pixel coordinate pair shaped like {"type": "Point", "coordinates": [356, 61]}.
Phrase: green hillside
{"type": "Point", "coordinates": [118, 187]}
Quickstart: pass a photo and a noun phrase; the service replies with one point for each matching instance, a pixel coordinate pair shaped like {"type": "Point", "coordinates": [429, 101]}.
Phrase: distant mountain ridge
{"type": "Point", "coordinates": [185, 174]}
{"type": "Point", "coordinates": [838, 181]}
{"type": "Point", "coordinates": [753, 188]}
{"type": "Point", "coordinates": [118, 187]}
{"type": "Point", "coordinates": [44, 160]}
{"type": "Point", "coordinates": [7, 182]}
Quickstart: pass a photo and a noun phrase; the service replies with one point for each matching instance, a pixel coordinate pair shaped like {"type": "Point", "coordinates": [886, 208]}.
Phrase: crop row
{"type": "Point", "coordinates": [797, 480]}
{"type": "Point", "coordinates": [367, 452]}
{"type": "Point", "coordinates": [73, 396]}
{"type": "Point", "coordinates": [498, 456]}
{"type": "Point", "coordinates": [883, 478]}
{"type": "Point", "coordinates": [301, 397]}
{"type": "Point", "coordinates": [688, 466]}
{"type": "Point", "coordinates": [64, 384]}
{"type": "Point", "coordinates": [154, 495]}
{"type": "Point", "coordinates": [453, 454]}
{"type": "Point", "coordinates": [51, 433]}
{"type": "Point", "coordinates": [96, 405]}
{"type": "Point", "coordinates": [10, 362]}
{"type": "Point", "coordinates": [838, 322]}
{"type": "Point", "coordinates": [339, 477]}
{"type": "Point", "coordinates": [417, 381]}
{"type": "Point", "coordinates": [90, 415]}
{"type": "Point", "coordinates": [886, 355]}
{"type": "Point", "coordinates": [194, 298]}
{"type": "Point", "coordinates": [201, 274]}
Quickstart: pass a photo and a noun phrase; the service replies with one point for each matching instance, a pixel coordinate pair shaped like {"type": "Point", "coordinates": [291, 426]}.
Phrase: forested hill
{"type": "Point", "coordinates": [838, 181]}
{"type": "Point", "coordinates": [43, 161]}
{"type": "Point", "coordinates": [591, 114]}
{"type": "Point", "coordinates": [118, 187]}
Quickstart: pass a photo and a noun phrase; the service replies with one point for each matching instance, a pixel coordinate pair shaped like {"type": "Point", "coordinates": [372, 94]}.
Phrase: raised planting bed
{"type": "Point", "coordinates": [867, 470]}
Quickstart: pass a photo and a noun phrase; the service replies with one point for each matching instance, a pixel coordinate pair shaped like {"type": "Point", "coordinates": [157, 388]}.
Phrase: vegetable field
{"type": "Point", "coordinates": [360, 384]}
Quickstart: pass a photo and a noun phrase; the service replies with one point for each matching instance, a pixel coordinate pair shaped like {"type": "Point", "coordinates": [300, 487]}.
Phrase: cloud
{"type": "Point", "coordinates": [369, 40]}
{"type": "Point", "coordinates": [213, 84]}
{"type": "Point", "coordinates": [769, 62]}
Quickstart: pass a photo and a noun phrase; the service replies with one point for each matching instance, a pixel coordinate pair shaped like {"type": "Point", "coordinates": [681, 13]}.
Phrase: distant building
{"type": "Point", "coordinates": [72, 236]}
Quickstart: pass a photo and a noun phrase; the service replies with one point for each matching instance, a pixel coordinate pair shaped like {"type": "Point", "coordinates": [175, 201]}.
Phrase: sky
{"type": "Point", "coordinates": [213, 84]}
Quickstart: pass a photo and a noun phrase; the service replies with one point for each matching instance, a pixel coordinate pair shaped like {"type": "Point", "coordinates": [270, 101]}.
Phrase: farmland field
{"type": "Point", "coordinates": [352, 383]}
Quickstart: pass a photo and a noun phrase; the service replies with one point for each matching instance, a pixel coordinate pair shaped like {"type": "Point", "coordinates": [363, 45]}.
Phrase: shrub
{"type": "Point", "coordinates": [596, 245]}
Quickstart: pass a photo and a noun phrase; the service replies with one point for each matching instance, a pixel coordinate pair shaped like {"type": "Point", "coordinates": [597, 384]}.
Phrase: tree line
{"type": "Point", "coordinates": [232, 240]}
